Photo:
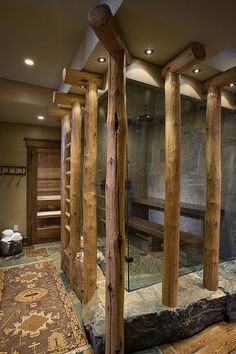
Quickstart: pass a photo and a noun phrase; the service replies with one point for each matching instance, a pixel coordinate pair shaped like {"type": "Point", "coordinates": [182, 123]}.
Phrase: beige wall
{"type": "Point", "coordinates": [13, 152]}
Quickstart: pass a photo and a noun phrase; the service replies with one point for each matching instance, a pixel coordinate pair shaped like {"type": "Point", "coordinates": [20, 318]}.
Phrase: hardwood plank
{"type": "Point", "coordinates": [219, 338]}
{"type": "Point", "coordinates": [186, 209]}
{"type": "Point", "coordinates": [49, 214]}
{"type": "Point", "coordinates": [48, 197]}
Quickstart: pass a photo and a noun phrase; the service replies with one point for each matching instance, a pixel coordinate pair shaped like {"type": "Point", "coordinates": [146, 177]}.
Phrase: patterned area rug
{"type": "Point", "coordinates": [35, 313]}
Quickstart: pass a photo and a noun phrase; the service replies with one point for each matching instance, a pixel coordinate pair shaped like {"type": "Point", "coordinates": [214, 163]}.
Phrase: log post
{"type": "Point", "coordinates": [106, 28]}
{"type": "Point", "coordinates": [65, 126]}
{"type": "Point", "coordinates": [90, 193]}
{"type": "Point", "coordinates": [213, 189]}
{"type": "Point", "coordinates": [75, 173]}
{"type": "Point", "coordinates": [115, 208]}
{"type": "Point", "coordinates": [213, 87]}
{"type": "Point", "coordinates": [190, 56]}
{"type": "Point", "coordinates": [172, 190]}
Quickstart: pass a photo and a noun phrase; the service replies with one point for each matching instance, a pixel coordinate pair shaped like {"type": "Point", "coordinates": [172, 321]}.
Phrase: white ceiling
{"type": "Point", "coordinates": [55, 34]}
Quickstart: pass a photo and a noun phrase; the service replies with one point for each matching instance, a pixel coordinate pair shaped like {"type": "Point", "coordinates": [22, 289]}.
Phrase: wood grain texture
{"type": "Point", "coordinates": [115, 205]}
{"type": "Point", "coordinates": [90, 192]}
{"type": "Point", "coordinates": [65, 126]}
{"type": "Point", "coordinates": [185, 60]}
{"type": "Point", "coordinates": [213, 190]}
{"type": "Point", "coordinates": [67, 99]}
{"type": "Point", "coordinates": [105, 26]}
{"type": "Point", "coordinates": [79, 77]}
{"type": "Point", "coordinates": [221, 80]}
{"type": "Point", "coordinates": [219, 338]}
{"type": "Point", "coordinates": [58, 112]}
{"type": "Point", "coordinates": [172, 190]}
{"type": "Point", "coordinates": [74, 177]}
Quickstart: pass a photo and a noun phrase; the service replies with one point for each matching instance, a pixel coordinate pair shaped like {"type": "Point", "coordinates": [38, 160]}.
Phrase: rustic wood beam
{"type": "Point", "coordinates": [75, 176]}
{"type": "Point", "coordinates": [67, 99]}
{"type": "Point", "coordinates": [81, 78]}
{"type": "Point", "coordinates": [58, 112]}
{"type": "Point", "coordinates": [189, 57]}
{"type": "Point", "coordinates": [65, 127]}
{"type": "Point", "coordinates": [213, 189]}
{"type": "Point", "coordinates": [221, 80]}
{"type": "Point", "coordinates": [90, 193]}
{"type": "Point", "coordinates": [108, 31]}
{"type": "Point", "coordinates": [115, 204]}
{"type": "Point", "coordinates": [172, 190]}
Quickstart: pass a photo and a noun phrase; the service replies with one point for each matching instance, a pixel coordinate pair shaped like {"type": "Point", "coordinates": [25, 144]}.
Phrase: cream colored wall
{"type": "Point", "coordinates": [13, 152]}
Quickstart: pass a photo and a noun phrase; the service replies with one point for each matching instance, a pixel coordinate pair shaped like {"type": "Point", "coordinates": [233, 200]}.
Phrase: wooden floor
{"type": "Point", "coordinates": [216, 339]}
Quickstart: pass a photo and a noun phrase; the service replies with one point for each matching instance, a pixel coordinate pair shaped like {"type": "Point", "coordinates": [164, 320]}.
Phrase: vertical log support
{"type": "Point", "coordinates": [107, 29]}
{"type": "Point", "coordinates": [172, 189]}
{"type": "Point", "coordinates": [190, 56]}
{"type": "Point", "coordinates": [213, 189]}
{"type": "Point", "coordinates": [115, 204]}
{"type": "Point", "coordinates": [75, 173]}
{"type": "Point", "coordinates": [65, 126]}
{"type": "Point", "coordinates": [90, 193]}
{"type": "Point", "coordinates": [213, 88]}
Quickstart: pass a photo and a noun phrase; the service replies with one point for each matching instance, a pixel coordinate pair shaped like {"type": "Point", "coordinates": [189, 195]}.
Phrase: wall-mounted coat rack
{"type": "Point", "coordinates": [13, 170]}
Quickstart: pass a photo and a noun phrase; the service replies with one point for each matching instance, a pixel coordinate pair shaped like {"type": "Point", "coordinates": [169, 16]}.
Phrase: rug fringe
{"type": "Point", "coordinates": [79, 350]}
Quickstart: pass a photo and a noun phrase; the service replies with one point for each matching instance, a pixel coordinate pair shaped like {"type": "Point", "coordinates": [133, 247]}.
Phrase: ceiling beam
{"type": "Point", "coordinates": [105, 26]}
{"type": "Point", "coordinates": [67, 99]}
{"type": "Point", "coordinates": [79, 78]}
{"type": "Point", "coordinates": [58, 112]}
{"type": "Point", "coordinates": [88, 44]}
{"type": "Point", "coordinates": [221, 80]}
{"type": "Point", "coordinates": [189, 57]}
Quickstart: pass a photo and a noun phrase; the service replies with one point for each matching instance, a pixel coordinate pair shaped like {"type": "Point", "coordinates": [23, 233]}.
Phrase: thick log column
{"type": "Point", "coordinates": [65, 126]}
{"type": "Point", "coordinates": [75, 174]}
{"type": "Point", "coordinates": [172, 190]}
{"type": "Point", "coordinates": [90, 193]}
{"type": "Point", "coordinates": [106, 28]}
{"type": "Point", "coordinates": [213, 88]}
{"type": "Point", "coordinates": [115, 205]}
{"type": "Point", "coordinates": [213, 189]}
{"type": "Point", "coordinates": [190, 56]}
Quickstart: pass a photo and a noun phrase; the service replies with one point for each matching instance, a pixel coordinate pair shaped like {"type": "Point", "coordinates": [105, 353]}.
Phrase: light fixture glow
{"type": "Point", "coordinates": [82, 86]}
{"type": "Point", "coordinates": [41, 117]}
{"type": "Point", "coordinates": [196, 70]}
{"type": "Point", "coordinates": [29, 62]}
{"type": "Point", "coordinates": [148, 51]}
{"type": "Point", "coordinates": [232, 84]}
{"type": "Point", "coordinates": [101, 60]}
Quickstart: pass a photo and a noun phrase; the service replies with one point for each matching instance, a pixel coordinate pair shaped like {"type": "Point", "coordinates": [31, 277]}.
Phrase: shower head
{"type": "Point", "coordinates": [145, 118]}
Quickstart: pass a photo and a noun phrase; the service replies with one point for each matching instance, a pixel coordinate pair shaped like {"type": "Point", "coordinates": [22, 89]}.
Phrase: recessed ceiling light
{"type": "Point", "coordinates": [41, 117]}
{"type": "Point", "coordinates": [101, 60]}
{"type": "Point", "coordinates": [232, 84]}
{"type": "Point", "coordinates": [29, 62]}
{"type": "Point", "coordinates": [196, 70]}
{"type": "Point", "coordinates": [148, 51]}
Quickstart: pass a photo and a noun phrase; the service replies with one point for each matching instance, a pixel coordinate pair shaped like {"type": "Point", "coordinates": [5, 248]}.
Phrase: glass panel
{"type": "Point", "coordinates": [145, 112]}
{"type": "Point", "coordinates": [228, 161]}
{"type": "Point", "coordinates": [193, 185]}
